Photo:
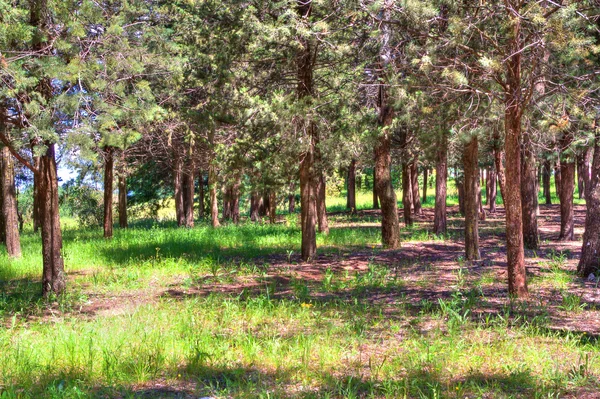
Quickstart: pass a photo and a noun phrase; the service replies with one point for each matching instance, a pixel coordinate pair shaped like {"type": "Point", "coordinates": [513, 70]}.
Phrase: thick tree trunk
{"type": "Point", "coordinates": [390, 228]}
{"type": "Point", "coordinates": [567, 188]}
{"type": "Point", "coordinates": [323, 223]}
{"type": "Point", "coordinates": [470, 158]}
{"type": "Point", "coordinates": [414, 175]}
{"type": "Point", "coordinates": [517, 280]}
{"type": "Point", "coordinates": [589, 262]}
{"type": "Point", "coordinates": [425, 177]}
{"type": "Point", "coordinates": [178, 189]}
{"type": "Point", "coordinates": [407, 194]}
{"type": "Point", "coordinates": [109, 158]}
{"type": "Point", "coordinates": [546, 174]}
{"type": "Point", "coordinates": [53, 280]}
{"type": "Point", "coordinates": [10, 217]}
{"type": "Point", "coordinates": [351, 187]}
{"type": "Point", "coordinates": [375, 198]}
{"type": "Point", "coordinates": [441, 184]}
{"type": "Point", "coordinates": [214, 205]}
{"type": "Point", "coordinates": [529, 195]}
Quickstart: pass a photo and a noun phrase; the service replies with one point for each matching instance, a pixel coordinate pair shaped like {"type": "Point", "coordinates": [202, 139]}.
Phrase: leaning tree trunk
{"type": "Point", "coordinates": [529, 195]}
{"type": "Point", "coordinates": [589, 262]}
{"type": "Point", "coordinates": [375, 198]}
{"type": "Point", "coordinates": [109, 160]}
{"type": "Point", "coordinates": [441, 184]}
{"type": "Point", "coordinates": [322, 221]}
{"type": "Point", "coordinates": [414, 175]}
{"type": "Point", "coordinates": [351, 187]}
{"type": "Point", "coordinates": [407, 194]}
{"type": "Point", "coordinates": [470, 158]}
{"type": "Point", "coordinates": [214, 205]}
{"type": "Point", "coordinates": [53, 280]}
{"type": "Point", "coordinates": [10, 215]}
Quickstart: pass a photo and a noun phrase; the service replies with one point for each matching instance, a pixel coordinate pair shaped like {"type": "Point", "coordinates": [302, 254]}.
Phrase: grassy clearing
{"type": "Point", "coordinates": [162, 312]}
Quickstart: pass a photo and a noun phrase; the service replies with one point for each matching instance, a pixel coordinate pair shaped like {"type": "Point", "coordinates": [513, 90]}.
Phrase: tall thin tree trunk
{"type": "Point", "coordinates": [529, 194]}
{"type": "Point", "coordinates": [292, 198]}
{"type": "Point", "coordinates": [308, 209]}
{"type": "Point", "coordinates": [322, 221]}
{"type": "Point", "coordinates": [201, 194]}
{"type": "Point", "coordinates": [407, 200]}
{"type": "Point", "coordinates": [351, 187]}
{"type": "Point", "coordinates": [235, 199]}
{"type": "Point", "coordinates": [493, 190]}
{"type": "Point", "coordinates": [589, 262]}
{"type": "Point", "coordinates": [425, 177]}
{"type": "Point", "coordinates": [441, 184]}
{"type": "Point", "coordinates": [470, 158]}
{"type": "Point", "coordinates": [255, 200]}
{"type": "Point", "coordinates": [557, 178]}
{"type": "Point", "coordinates": [109, 159]}
{"type": "Point", "coordinates": [36, 205]}
{"type": "Point", "coordinates": [188, 194]}
{"type": "Point", "coordinates": [546, 174]}
{"type": "Point", "coordinates": [567, 188]}
{"type": "Point", "coordinates": [272, 206]}
{"type": "Point", "coordinates": [212, 187]}
{"type": "Point", "coordinates": [587, 159]}
{"type": "Point", "coordinates": [9, 205]}
{"type": "Point", "coordinates": [122, 183]}
{"type": "Point", "coordinates": [580, 176]}
{"type": "Point", "coordinates": [375, 198]}
{"type": "Point", "coordinates": [414, 175]}
{"type": "Point", "coordinates": [53, 278]}
{"type": "Point", "coordinates": [178, 188]}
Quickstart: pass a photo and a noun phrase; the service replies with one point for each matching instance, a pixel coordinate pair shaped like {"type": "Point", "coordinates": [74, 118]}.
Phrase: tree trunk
{"type": "Point", "coordinates": [441, 182]}
{"type": "Point", "coordinates": [471, 169]}
{"type": "Point", "coordinates": [214, 205]}
{"type": "Point", "coordinates": [308, 208]}
{"type": "Point", "coordinates": [53, 280]}
{"type": "Point", "coordinates": [201, 194]}
{"type": "Point", "coordinates": [500, 175]}
{"type": "Point", "coordinates": [255, 203]}
{"type": "Point", "coordinates": [492, 184]}
{"type": "Point", "coordinates": [323, 223]}
{"type": "Point", "coordinates": [375, 198]}
{"type": "Point", "coordinates": [292, 198]}
{"type": "Point", "coordinates": [122, 183]}
{"type": "Point", "coordinates": [460, 186]}
{"type": "Point", "coordinates": [589, 262]}
{"type": "Point", "coordinates": [580, 176]}
{"type": "Point", "coordinates": [587, 158]}
{"type": "Point", "coordinates": [178, 189]}
{"type": "Point", "coordinates": [407, 194]}
{"type": "Point", "coordinates": [235, 199]}
{"type": "Point", "coordinates": [188, 194]}
{"type": "Point", "coordinates": [109, 158]}
{"type": "Point", "coordinates": [9, 206]}
{"type": "Point", "coordinates": [567, 188]}
{"type": "Point", "coordinates": [557, 178]}
{"type": "Point", "coordinates": [414, 175]}
{"type": "Point", "coordinates": [351, 187]}
{"type": "Point", "coordinates": [425, 177]}
{"type": "Point", "coordinates": [272, 206]}
{"type": "Point", "coordinates": [390, 228]}
{"type": "Point", "coordinates": [546, 174]}
{"type": "Point", "coordinates": [529, 194]}
{"type": "Point", "coordinates": [36, 205]}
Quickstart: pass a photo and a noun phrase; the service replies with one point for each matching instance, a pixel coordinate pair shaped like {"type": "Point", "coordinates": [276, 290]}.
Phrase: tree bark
{"type": "Point", "coordinates": [546, 174]}
{"type": "Point", "coordinates": [425, 177]}
{"type": "Point", "coordinates": [235, 199]}
{"type": "Point", "coordinates": [471, 169]}
{"type": "Point", "coordinates": [36, 205]}
{"type": "Point", "coordinates": [292, 198]}
{"type": "Point", "coordinates": [441, 184]}
{"type": "Point", "coordinates": [272, 206]}
{"type": "Point", "coordinates": [214, 205]}
{"type": "Point", "coordinates": [255, 204]}
{"type": "Point", "coordinates": [390, 228]}
{"type": "Point", "coordinates": [587, 159]}
{"type": "Point", "coordinates": [493, 190]}
{"type": "Point", "coordinates": [567, 188]}
{"type": "Point", "coordinates": [109, 159]}
{"type": "Point", "coordinates": [178, 188]}
{"type": "Point", "coordinates": [53, 280]}
{"type": "Point", "coordinates": [589, 262]}
{"type": "Point", "coordinates": [308, 208]}
{"type": "Point", "coordinates": [351, 187]}
{"type": "Point", "coordinates": [323, 223]}
{"type": "Point", "coordinates": [375, 198]}
{"type": "Point", "coordinates": [407, 194]}
{"type": "Point", "coordinates": [414, 175]}
{"type": "Point", "coordinates": [201, 194]}
{"type": "Point", "coordinates": [460, 186]}
{"type": "Point", "coordinates": [580, 176]}
{"type": "Point", "coordinates": [122, 183]}
{"type": "Point", "coordinates": [557, 178]}
{"type": "Point", "coordinates": [529, 194]}
{"type": "Point", "coordinates": [500, 175]}
{"type": "Point", "coordinates": [9, 206]}
{"type": "Point", "coordinates": [188, 194]}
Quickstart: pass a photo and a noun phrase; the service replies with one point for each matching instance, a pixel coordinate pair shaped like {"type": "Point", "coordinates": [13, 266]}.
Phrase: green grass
{"type": "Point", "coordinates": [164, 312]}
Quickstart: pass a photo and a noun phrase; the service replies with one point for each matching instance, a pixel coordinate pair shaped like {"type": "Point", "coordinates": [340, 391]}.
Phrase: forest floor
{"type": "Point", "coordinates": [161, 312]}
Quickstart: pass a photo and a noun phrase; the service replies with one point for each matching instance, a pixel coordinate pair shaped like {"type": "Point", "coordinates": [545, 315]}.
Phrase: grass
{"type": "Point", "coordinates": [163, 312]}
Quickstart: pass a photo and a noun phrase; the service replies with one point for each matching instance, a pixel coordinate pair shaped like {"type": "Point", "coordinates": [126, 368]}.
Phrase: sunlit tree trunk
{"type": "Point", "coordinates": [414, 175]}
{"type": "Point", "coordinates": [10, 218]}
{"type": "Point", "coordinates": [589, 262]}
{"type": "Point", "coordinates": [441, 182]}
{"type": "Point", "coordinates": [529, 194]}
